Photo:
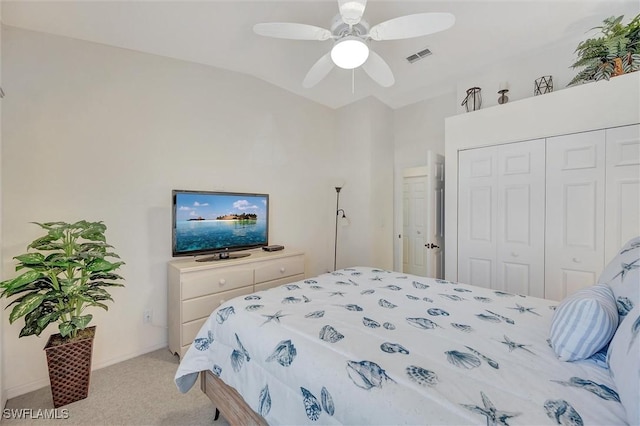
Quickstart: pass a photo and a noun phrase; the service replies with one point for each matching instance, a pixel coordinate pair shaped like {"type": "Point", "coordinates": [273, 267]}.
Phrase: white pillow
{"type": "Point", "coordinates": [583, 323]}
{"type": "Point", "coordinates": [622, 274]}
{"type": "Point", "coordinates": [624, 364]}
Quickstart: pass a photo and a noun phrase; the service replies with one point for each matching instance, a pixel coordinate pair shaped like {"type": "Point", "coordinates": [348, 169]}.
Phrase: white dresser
{"type": "Point", "coordinates": [195, 289]}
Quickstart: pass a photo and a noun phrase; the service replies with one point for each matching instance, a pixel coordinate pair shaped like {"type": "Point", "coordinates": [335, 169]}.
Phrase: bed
{"type": "Point", "coordinates": [368, 346]}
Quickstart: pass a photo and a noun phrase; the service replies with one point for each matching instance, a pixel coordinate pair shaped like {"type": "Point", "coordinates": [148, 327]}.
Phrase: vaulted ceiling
{"type": "Point", "coordinates": [219, 34]}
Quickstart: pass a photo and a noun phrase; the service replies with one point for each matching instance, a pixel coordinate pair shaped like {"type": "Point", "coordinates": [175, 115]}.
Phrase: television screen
{"type": "Point", "coordinates": [211, 222]}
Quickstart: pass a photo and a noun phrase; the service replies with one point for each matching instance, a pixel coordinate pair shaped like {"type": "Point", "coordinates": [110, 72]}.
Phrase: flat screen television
{"type": "Point", "coordinates": [207, 222]}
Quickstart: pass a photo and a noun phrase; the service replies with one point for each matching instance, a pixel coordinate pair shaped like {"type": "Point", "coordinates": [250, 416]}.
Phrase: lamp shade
{"type": "Point", "coordinates": [349, 52]}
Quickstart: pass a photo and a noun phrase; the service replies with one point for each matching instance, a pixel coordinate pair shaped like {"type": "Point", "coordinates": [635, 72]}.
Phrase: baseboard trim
{"type": "Point", "coordinates": [38, 384]}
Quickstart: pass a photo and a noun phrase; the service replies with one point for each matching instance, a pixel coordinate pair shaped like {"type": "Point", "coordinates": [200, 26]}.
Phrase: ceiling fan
{"type": "Point", "coordinates": [351, 35]}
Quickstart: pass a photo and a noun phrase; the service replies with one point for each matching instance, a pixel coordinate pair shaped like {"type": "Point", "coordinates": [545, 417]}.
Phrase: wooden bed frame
{"type": "Point", "coordinates": [228, 401]}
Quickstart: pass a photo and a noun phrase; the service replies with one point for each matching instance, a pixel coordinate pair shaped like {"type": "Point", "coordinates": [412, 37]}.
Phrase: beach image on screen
{"type": "Point", "coordinates": [217, 221]}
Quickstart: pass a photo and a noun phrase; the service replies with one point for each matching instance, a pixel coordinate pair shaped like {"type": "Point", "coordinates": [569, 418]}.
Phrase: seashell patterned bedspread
{"type": "Point", "coordinates": [368, 346]}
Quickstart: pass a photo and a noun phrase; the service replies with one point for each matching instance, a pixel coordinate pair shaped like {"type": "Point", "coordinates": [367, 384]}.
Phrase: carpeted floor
{"type": "Point", "coordinates": [139, 391]}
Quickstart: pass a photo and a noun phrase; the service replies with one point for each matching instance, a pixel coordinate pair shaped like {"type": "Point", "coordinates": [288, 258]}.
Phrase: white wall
{"type": "Point", "coordinates": [100, 133]}
{"type": "Point", "coordinates": [418, 128]}
{"type": "Point", "coordinates": [3, 395]}
{"type": "Point", "coordinates": [364, 137]}
{"type": "Point", "coordinates": [520, 73]}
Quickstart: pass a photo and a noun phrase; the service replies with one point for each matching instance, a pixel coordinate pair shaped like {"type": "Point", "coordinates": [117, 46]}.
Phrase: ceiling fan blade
{"type": "Point", "coordinates": [351, 11]}
{"type": "Point", "coordinates": [291, 31]}
{"type": "Point", "coordinates": [378, 70]}
{"type": "Point", "coordinates": [318, 71]}
{"type": "Point", "coordinates": [409, 26]}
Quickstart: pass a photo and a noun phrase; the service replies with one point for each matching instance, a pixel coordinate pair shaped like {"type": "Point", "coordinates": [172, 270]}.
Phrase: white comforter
{"type": "Point", "coordinates": [366, 346]}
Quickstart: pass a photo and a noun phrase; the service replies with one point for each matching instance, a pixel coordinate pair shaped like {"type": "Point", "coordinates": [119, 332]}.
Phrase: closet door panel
{"type": "Point", "coordinates": [520, 230]}
{"type": "Point", "coordinates": [622, 213]}
{"type": "Point", "coordinates": [477, 224]}
{"type": "Point", "coordinates": [574, 212]}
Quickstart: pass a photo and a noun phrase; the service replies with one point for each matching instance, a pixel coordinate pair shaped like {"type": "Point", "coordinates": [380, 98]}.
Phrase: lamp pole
{"type": "Point", "coordinates": [335, 237]}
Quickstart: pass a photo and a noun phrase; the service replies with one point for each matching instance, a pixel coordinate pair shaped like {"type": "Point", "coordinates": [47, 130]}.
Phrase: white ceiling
{"type": "Point", "coordinates": [219, 33]}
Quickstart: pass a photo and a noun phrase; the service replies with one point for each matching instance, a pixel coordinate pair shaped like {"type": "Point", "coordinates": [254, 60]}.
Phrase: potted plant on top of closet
{"type": "Point", "coordinates": [67, 271]}
{"type": "Point", "coordinates": [616, 51]}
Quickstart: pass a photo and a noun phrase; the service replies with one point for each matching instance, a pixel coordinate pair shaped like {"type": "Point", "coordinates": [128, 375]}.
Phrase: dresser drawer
{"type": "Point", "coordinates": [276, 283]}
{"type": "Point", "coordinates": [202, 307]}
{"type": "Point", "coordinates": [190, 330]}
{"type": "Point", "coordinates": [202, 283]}
{"type": "Point", "coordinates": [279, 268]}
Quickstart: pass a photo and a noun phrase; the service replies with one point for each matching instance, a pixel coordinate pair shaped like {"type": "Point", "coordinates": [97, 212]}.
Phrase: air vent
{"type": "Point", "coordinates": [417, 56]}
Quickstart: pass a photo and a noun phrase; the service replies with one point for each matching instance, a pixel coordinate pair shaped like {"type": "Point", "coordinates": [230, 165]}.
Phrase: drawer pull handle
{"type": "Point", "coordinates": [282, 269]}
{"type": "Point", "coordinates": [514, 254]}
{"type": "Point", "coordinates": [222, 281]}
{"type": "Point", "coordinates": [576, 260]}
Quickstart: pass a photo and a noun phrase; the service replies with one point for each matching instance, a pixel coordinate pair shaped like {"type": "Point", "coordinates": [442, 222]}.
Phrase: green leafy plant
{"type": "Point", "coordinates": [616, 51]}
{"type": "Point", "coordinates": [66, 272]}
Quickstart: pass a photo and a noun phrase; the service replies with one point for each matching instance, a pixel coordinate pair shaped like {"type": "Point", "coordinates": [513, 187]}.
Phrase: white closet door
{"type": "Point", "coordinates": [501, 217]}
{"type": "Point", "coordinates": [520, 230]}
{"type": "Point", "coordinates": [622, 211]}
{"type": "Point", "coordinates": [575, 212]}
{"type": "Point", "coordinates": [477, 205]}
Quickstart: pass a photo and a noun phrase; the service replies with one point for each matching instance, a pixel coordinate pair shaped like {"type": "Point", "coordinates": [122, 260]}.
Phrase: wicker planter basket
{"type": "Point", "coordinates": [70, 368]}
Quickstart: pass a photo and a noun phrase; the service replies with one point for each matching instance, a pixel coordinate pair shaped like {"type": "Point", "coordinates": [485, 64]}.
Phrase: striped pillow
{"type": "Point", "coordinates": [584, 323]}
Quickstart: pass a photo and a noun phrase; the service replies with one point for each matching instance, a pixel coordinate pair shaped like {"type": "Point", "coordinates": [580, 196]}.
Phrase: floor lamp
{"type": "Point", "coordinates": [344, 218]}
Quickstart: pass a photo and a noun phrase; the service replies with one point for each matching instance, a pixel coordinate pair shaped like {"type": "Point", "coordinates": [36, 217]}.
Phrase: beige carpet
{"type": "Point", "coordinates": [139, 391]}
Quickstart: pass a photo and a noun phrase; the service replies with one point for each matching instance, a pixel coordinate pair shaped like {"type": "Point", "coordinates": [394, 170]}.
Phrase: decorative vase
{"type": "Point", "coordinates": [69, 365]}
{"type": "Point", "coordinates": [543, 85]}
{"type": "Point", "coordinates": [473, 101]}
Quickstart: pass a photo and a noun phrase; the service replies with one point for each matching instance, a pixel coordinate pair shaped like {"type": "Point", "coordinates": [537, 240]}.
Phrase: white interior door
{"type": "Point", "coordinates": [435, 218]}
{"type": "Point", "coordinates": [414, 221]}
{"type": "Point", "coordinates": [423, 219]}
{"type": "Point", "coordinates": [622, 211]}
{"type": "Point", "coordinates": [520, 229]}
{"type": "Point", "coordinates": [575, 212]}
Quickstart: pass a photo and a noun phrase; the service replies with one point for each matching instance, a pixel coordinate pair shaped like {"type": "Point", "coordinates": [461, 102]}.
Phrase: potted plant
{"type": "Point", "coordinates": [65, 273]}
{"type": "Point", "coordinates": [615, 52]}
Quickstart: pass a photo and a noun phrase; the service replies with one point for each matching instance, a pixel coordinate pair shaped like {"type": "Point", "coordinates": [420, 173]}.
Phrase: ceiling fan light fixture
{"type": "Point", "coordinates": [351, 10]}
{"type": "Point", "coordinates": [349, 52]}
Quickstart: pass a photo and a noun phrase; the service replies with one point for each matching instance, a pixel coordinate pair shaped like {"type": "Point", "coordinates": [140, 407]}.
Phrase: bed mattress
{"type": "Point", "coordinates": [368, 346]}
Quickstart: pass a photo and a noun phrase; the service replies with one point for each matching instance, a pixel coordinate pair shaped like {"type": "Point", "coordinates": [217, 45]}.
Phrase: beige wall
{"type": "Point", "coordinates": [364, 137]}
{"type": "Point", "coordinates": [418, 128]}
{"type": "Point", "coordinates": [100, 133]}
{"type": "Point", "coordinates": [3, 395]}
